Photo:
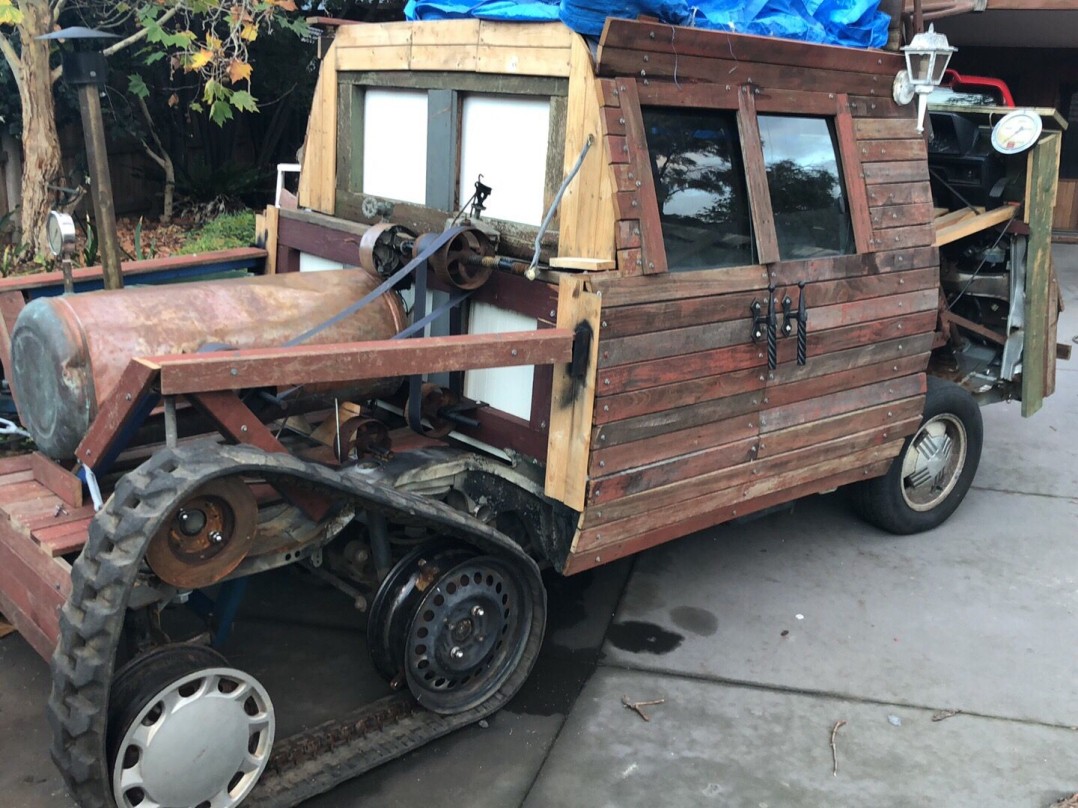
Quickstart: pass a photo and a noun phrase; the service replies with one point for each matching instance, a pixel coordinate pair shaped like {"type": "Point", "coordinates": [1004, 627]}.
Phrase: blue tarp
{"type": "Point", "coordinates": [855, 23]}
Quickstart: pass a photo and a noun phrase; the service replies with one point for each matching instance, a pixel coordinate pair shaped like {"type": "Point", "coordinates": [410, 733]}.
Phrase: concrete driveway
{"type": "Point", "coordinates": [947, 660]}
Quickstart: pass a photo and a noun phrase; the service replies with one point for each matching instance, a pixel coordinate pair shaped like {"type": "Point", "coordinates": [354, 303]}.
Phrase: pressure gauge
{"type": "Point", "coordinates": [60, 233]}
{"type": "Point", "coordinates": [1016, 131]}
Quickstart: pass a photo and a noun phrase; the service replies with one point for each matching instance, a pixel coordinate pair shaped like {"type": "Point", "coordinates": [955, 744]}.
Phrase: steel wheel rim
{"type": "Point", "coordinates": [215, 726]}
{"type": "Point", "coordinates": [468, 635]}
{"type": "Point", "coordinates": [933, 462]}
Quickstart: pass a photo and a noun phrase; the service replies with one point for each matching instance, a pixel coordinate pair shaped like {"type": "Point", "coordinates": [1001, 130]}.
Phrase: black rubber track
{"type": "Point", "coordinates": [91, 625]}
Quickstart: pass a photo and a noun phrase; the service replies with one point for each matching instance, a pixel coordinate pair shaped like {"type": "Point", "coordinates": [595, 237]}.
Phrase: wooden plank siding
{"type": "Point", "coordinates": [691, 427]}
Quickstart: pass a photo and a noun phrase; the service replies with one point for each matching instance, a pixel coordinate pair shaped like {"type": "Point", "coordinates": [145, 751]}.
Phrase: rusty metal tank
{"type": "Point", "coordinates": [68, 352]}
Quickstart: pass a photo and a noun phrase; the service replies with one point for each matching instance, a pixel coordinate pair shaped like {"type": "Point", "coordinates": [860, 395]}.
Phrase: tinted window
{"type": "Point", "coordinates": [807, 196]}
{"type": "Point", "coordinates": [700, 184]}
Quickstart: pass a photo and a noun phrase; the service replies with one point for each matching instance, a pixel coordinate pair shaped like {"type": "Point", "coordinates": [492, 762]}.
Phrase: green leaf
{"type": "Point", "coordinates": [244, 101]}
{"type": "Point", "coordinates": [197, 107]}
{"type": "Point", "coordinates": [137, 87]}
{"type": "Point", "coordinates": [220, 112]}
{"type": "Point", "coordinates": [153, 58]}
{"type": "Point", "coordinates": [9, 15]}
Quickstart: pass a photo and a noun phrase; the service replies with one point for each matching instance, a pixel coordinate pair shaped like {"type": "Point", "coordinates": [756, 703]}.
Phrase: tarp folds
{"type": "Point", "coordinates": [854, 23]}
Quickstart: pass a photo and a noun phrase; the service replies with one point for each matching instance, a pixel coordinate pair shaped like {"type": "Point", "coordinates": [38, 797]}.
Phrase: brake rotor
{"type": "Point", "coordinates": [207, 536]}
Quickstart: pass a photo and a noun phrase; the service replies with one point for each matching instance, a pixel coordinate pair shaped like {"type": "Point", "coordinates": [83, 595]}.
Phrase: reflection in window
{"type": "Point", "coordinates": [700, 184]}
{"type": "Point", "coordinates": [807, 197]}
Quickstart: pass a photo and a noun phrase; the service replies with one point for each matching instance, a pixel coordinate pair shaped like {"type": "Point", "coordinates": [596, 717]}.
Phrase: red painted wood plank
{"type": "Point", "coordinates": [652, 36]}
{"type": "Point", "coordinates": [268, 367]}
{"type": "Point", "coordinates": [134, 268]}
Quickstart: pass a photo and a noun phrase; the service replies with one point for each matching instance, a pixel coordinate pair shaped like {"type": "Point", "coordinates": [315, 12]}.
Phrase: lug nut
{"type": "Point", "coordinates": [457, 652]}
{"type": "Point", "coordinates": [216, 537]}
{"type": "Point", "coordinates": [477, 611]}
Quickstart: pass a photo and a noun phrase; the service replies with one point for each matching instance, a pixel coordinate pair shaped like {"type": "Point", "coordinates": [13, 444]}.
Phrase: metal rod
{"type": "Point", "coordinates": [380, 549]}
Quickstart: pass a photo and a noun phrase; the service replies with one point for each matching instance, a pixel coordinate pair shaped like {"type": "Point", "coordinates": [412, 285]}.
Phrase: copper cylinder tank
{"type": "Point", "coordinates": [68, 352]}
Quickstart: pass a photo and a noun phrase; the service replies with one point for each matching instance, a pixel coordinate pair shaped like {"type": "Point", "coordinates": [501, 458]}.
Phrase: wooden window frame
{"type": "Point", "coordinates": [443, 130]}
{"type": "Point", "coordinates": [747, 101]}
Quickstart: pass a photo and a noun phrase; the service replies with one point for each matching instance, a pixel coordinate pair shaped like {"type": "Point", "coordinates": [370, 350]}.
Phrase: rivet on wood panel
{"type": "Point", "coordinates": [604, 323]}
{"type": "Point", "coordinates": [606, 408]}
{"type": "Point", "coordinates": [651, 265]}
{"type": "Point", "coordinates": [890, 414]}
{"type": "Point", "coordinates": [765, 401]}
{"type": "Point", "coordinates": [602, 436]}
{"type": "Point", "coordinates": [635, 203]}
{"type": "Point", "coordinates": [553, 313]}
{"type": "Point", "coordinates": [514, 352]}
{"type": "Point", "coordinates": [651, 34]}
{"type": "Point", "coordinates": [542, 424]}
{"type": "Point", "coordinates": [900, 326]}
{"type": "Point", "coordinates": [606, 381]}
{"type": "Point", "coordinates": [647, 58]}
{"type": "Point", "coordinates": [640, 262]}
{"type": "Point", "coordinates": [602, 464]}
{"type": "Point", "coordinates": [234, 372]}
{"type": "Point", "coordinates": [243, 427]}
{"type": "Point", "coordinates": [598, 558]}
{"type": "Point", "coordinates": [638, 183]}
{"type": "Point", "coordinates": [901, 281]}
{"type": "Point", "coordinates": [900, 347]}
{"type": "Point", "coordinates": [646, 82]}
{"type": "Point", "coordinates": [622, 89]}
{"type": "Point", "coordinates": [831, 96]}
{"type": "Point", "coordinates": [621, 120]}
{"type": "Point", "coordinates": [895, 367]}
{"type": "Point", "coordinates": [636, 231]}
{"type": "Point", "coordinates": [127, 397]}
{"type": "Point", "coordinates": [606, 354]}
{"type": "Point", "coordinates": [751, 426]}
{"type": "Point", "coordinates": [763, 379]}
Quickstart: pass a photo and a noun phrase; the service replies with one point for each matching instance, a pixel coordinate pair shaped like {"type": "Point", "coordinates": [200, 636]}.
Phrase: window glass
{"type": "Point", "coordinates": [515, 167]}
{"type": "Point", "coordinates": [807, 196]}
{"type": "Point", "coordinates": [405, 176]}
{"type": "Point", "coordinates": [700, 184]}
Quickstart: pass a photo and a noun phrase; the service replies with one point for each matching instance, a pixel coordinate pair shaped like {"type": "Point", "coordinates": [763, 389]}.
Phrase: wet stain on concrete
{"type": "Point", "coordinates": [639, 637]}
{"type": "Point", "coordinates": [698, 621]}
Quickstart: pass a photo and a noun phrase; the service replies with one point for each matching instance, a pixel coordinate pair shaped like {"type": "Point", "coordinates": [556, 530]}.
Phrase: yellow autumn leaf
{"type": "Point", "coordinates": [199, 60]}
{"type": "Point", "coordinates": [287, 5]}
{"type": "Point", "coordinates": [213, 42]}
{"type": "Point", "coordinates": [173, 100]}
{"type": "Point", "coordinates": [249, 32]}
{"type": "Point", "coordinates": [239, 71]}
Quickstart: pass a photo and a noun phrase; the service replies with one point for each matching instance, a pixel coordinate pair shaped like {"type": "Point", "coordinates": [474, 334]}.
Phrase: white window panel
{"type": "Point", "coordinates": [504, 138]}
{"type": "Point", "coordinates": [395, 144]}
{"type": "Point", "coordinates": [314, 263]}
{"type": "Point", "coordinates": [505, 389]}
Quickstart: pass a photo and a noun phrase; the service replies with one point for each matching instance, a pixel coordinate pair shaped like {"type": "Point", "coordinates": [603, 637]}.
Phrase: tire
{"type": "Point", "coordinates": [931, 475]}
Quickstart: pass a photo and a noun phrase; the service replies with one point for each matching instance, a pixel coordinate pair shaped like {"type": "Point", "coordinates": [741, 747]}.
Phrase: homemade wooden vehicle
{"type": "Point", "coordinates": [737, 303]}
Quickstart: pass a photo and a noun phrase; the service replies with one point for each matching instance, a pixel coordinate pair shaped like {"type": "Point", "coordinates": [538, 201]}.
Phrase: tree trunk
{"type": "Point", "coordinates": [40, 141]}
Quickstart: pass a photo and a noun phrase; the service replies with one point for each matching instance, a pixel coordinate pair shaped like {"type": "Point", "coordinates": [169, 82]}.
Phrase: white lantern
{"type": "Point", "coordinates": [927, 56]}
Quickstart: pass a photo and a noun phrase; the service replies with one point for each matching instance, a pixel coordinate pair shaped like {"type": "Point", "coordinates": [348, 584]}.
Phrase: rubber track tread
{"type": "Point", "coordinates": [91, 624]}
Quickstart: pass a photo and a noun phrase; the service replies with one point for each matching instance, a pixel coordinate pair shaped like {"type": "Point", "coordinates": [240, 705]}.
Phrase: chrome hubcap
{"type": "Point", "coordinates": [203, 740]}
{"type": "Point", "coordinates": [933, 462]}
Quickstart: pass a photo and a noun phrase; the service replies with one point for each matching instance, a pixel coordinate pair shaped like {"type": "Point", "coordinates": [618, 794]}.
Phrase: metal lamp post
{"type": "Point", "coordinates": [85, 69]}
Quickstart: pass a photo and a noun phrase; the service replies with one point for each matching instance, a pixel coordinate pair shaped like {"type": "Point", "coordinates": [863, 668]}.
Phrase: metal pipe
{"type": "Point", "coordinates": [380, 549]}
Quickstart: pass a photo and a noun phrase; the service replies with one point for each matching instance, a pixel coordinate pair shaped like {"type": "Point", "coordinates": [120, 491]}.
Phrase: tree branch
{"type": "Point", "coordinates": [153, 133]}
{"type": "Point", "coordinates": [13, 61]}
{"type": "Point", "coordinates": [141, 34]}
{"type": "Point", "coordinates": [57, 9]}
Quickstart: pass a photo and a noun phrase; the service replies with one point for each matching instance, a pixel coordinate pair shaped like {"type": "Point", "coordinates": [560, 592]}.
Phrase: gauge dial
{"type": "Point", "coordinates": [1016, 131]}
{"type": "Point", "coordinates": [59, 232]}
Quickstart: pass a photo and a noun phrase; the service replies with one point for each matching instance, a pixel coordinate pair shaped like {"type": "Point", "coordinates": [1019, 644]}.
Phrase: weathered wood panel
{"type": "Point", "coordinates": [599, 547]}
{"type": "Point", "coordinates": [652, 509]}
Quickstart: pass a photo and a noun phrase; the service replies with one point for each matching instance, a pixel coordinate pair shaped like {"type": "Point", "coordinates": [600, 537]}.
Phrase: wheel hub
{"type": "Point", "coordinates": [933, 462]}
{"type": "Point", "coordinates": [203, 739]}
{"type": "Point", "coordinates": [467, 635]}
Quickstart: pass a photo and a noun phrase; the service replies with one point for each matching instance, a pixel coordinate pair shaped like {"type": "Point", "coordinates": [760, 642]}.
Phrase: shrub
{"type": "Point", "coordinates": [223, 233]}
